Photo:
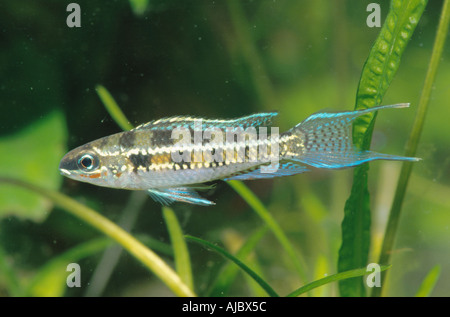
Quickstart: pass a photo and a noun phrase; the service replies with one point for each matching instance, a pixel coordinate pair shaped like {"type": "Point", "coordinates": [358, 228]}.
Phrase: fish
{"type": "Point", "coordinates": [173, 158]}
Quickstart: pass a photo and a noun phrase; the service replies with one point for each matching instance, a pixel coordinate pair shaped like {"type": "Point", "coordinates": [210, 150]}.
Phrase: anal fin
{"type": "Point", "coordinates": [284, 169]}
{"type": "Point", "coordinates": [167, 196]}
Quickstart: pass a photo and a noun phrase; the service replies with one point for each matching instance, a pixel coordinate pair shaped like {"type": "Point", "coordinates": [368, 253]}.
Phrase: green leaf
{"type": "Point", "coordinates": [378, 72]}
{"type": "Point", "coordinates": [383, 62]}
{"type": "Point", "coordinates": [33, 155]}
{"type": "Point", "coordinates": [429, 282]}
{"type": "Point", "coordinates": [113, 108]}
{"type": "Point", "coordinates": [333, 278]}
{"type": "Point", "coordinates": [229, 272]}
{"type": "Point", "coordinates": [413, 141]}
{"type": "Point", "coordinates": [181, 253]}
{"type": "Point", "coordinates": [136, 248]}
{"type": "Point", "coordinates": [265, 215]}
{"type": "Point", "coordinates": [139, 6]}
{"type": "Point", "coordinates": [236, 261]}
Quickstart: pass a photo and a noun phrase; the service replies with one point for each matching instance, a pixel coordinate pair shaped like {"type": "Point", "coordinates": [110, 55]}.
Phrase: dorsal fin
{"type": "Point", "coordinates": [254, 120]}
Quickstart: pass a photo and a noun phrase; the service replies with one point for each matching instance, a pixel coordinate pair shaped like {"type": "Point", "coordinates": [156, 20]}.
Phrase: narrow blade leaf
{"type": "Point", "coordinates": [378, 72]}
{"type": "Point", "coordinates": [113, 108]}
{"type": "Point", "coordinates": [333, 278]}
{"type": "Point", "coordinates": [236, 261]}
{"type": "Point", "coordinates": [181, 253]}
{"type": "Point", "coordinates": [429, 282]}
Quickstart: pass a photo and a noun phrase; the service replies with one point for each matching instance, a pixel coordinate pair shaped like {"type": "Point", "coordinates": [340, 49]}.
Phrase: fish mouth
{"type": "Point", "coordinates": [68, 164]}
{"type": "Point", "coordinates": [64, 172]}
{"type": "Point", "coordinates": [65, 166]}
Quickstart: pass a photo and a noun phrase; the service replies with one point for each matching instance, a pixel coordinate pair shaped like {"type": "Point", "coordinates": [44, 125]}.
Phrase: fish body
{"type": "Point", "coordinates": [170, 156]}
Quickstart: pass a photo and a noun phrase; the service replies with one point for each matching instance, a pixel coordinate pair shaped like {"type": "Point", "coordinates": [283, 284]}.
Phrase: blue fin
{"type": "Point", "coordinates": [284, 169]}
{"type": "Point", "coordinates": [326, 141]}
{"type": "Point", "coordinates": [343, 160]}
{"type": "Point", "coordinates": [166, 196]}
{"type": "Point", "coordinates": [167, 124]}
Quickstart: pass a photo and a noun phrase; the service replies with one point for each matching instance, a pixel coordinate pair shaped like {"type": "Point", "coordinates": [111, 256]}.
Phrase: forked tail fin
{"type": "Point", "coordinates": [324, 140]}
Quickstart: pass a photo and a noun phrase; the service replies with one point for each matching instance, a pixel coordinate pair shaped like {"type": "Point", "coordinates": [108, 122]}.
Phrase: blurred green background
{"type": "Point", "coordinates": [213, 59]}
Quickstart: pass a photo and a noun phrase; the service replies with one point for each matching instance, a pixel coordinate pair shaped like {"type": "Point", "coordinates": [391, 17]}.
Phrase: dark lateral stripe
{"type": "Point", "coordinates": [127, 139]}
{"type": "Point", "coordinates": [140, 160]}
{"type": "Point", "coordinates": [162, 136]}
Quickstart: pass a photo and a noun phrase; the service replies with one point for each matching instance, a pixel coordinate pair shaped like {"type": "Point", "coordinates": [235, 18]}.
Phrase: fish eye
{"type": "Point", "coordinates": [87, 162]}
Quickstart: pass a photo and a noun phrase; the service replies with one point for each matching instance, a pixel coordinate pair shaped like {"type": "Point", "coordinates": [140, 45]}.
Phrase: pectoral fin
{"type": "Point", "coordinates": [166, 196]}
